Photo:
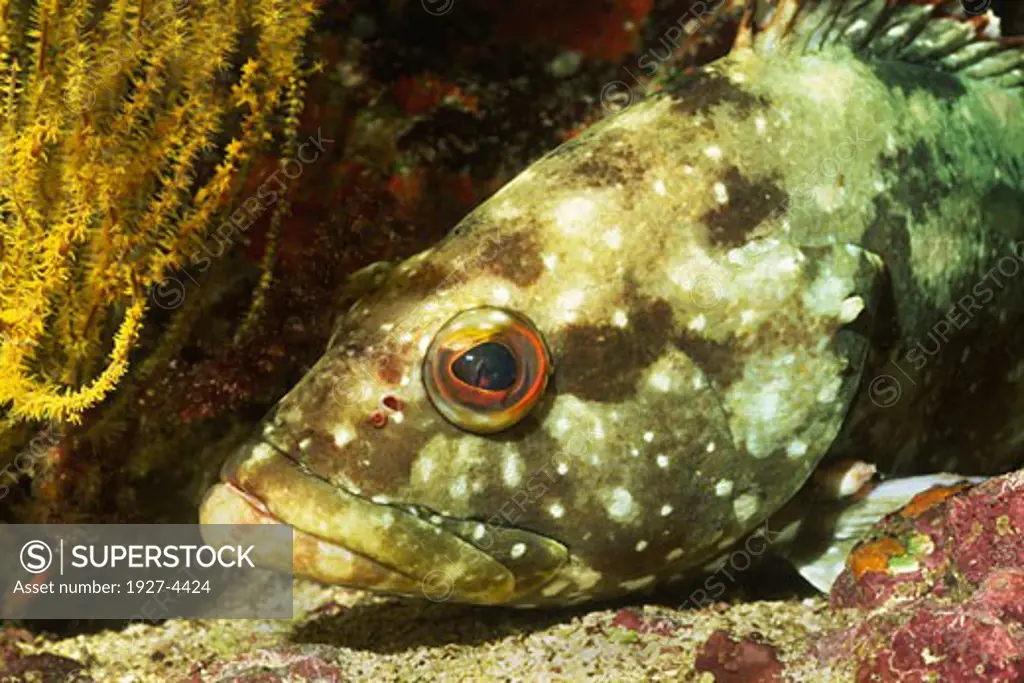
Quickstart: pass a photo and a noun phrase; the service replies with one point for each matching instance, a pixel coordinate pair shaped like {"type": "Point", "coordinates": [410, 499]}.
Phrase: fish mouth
{"type": "Point", "coordinates": [341, 538]}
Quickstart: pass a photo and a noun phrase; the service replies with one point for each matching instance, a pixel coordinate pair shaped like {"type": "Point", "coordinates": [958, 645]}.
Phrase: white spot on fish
{"type": "Point", "coordinates": [305, 443]}
{"type": "Point", "coordinates": [662, 461]}
{"type": "Point", "coordinates": [648, 437]}
{"type": "Point", "coordinates": [829, 392]}
{"type": "Point", "coordinates": [572, 298]}
{"type": "Point", "coordinates": [343, 435]}
{"type": "Point", "coordinates": [826, 296]}
{"type": "Point", "coordinates": [479, 531]}
{"type": "Point", "coordinates": [557, 510]}
{"type": "Point", "coordinates": [721, 194]}
{"type": "Point", "coordinates": [766, 403]}
{"type": "Point", "coordinates": [512, 467]}
{"type": "Point", "coordinates": [458, 487]}
{"type": "Point", "coordinates": [786, 264]}
{"type": "Point", "coordinates": [745, 506]}
{"type": "Point", "coordinates": [761, 125]}
{"type": "Point", "coordinates": [620, 319]}
{"type": "Point", "coordinates": [659, 187]}
{"type": "Point", "coordinates": [637, 584]}
{"type": "Point", "coordinates": [425, 465]}
{"type": "Point", "coordinates": [641, 546]}
{"type": "Point", "coordinates": [713, 152]}
{"type": "Point", "coordinates": [619, 504]}
{"type": "Point", "coordinates": [398, 418]}
{"type": "Point", "coordinates": [387, 327]}
{"type": "Point", "coordinates": [674, 554]}
{"type": "Point", "coordinates": [613, 238]}
{"type": "Point", "coordinates": [574, 213]}
{"type": "Point", "coordinates": [549, 261]}
{"type": "Point", "coordinates": [710, 448]}
{"type": "Point", "coordinates": [661, 381]}
{"type": "Point", "coordinates": [698, 382]}
{"type": "Point", "coordinates": [261, 452]}
{"type": "Point", "coordinates": [562, 468]}
{"type": "Point", "coordinates": [723, 488]}
{"type": "Point", "coordinates": [666, 510]}
{"type": "Point", "coordinates": [501, 296]}
{"type": "Point", "coordinates": [796, 449]}
{"type": "Point", "coordinates": [568, 302]}
{"type": "Point", "coordinates": [517, 551]}
{"type": "Point", "coordinates": [698, 323]}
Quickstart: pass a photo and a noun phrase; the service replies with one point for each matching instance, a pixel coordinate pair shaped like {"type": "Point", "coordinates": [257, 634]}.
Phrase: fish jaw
{"type": "Point", "coordinates": [341, 538]}
{"type": "Point", "coordinates": [311, 557]}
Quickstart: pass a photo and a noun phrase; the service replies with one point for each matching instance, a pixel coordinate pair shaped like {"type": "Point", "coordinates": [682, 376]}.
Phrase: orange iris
{"type": "Point", "coordinates": [486, 368]}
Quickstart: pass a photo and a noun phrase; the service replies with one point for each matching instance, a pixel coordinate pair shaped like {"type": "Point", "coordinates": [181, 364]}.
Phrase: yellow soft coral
{"type": "Point", "coordinates": [108, 113]}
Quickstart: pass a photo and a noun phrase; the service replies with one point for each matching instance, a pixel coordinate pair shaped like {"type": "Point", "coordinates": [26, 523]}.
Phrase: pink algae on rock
{"type": "Point", "coordinates": [739, 661]}
{"type": "Point", "coordinates": [950, 606]}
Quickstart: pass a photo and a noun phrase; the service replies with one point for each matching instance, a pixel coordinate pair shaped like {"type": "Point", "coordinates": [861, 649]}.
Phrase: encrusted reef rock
{"type": "Point", "coordinates": [18, 665]}
{"type": "Point", "coordinates": [941, 583]}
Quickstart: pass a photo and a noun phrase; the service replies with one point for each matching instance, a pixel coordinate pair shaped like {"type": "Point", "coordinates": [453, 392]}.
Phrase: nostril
{"type": "Point", "coordinates": [392, 402]}
{"type": "Point", "coordinates": [378, 419]}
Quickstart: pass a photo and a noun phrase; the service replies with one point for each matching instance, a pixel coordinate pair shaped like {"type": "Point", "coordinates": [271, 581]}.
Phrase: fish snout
{"type": "Point", "coordinates": [342, 538]}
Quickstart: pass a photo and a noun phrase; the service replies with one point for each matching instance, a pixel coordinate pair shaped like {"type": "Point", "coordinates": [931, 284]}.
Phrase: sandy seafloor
{"type": "Point", "coordinates": [347, 635]}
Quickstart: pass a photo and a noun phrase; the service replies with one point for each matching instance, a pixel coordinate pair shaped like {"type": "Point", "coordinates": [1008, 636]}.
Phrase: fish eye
{"type": "Point", "coordinates": [486, 368]}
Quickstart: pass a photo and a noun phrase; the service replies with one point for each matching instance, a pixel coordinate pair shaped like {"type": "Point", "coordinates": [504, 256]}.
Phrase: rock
{"type": "Point", "coordinates": [944, 543]}
{"type": "Point", "coordinates": [944, 580]}
{"type": "Point", "coordinates": [744, 661]}
{"type": "Point", "coordinates": [16, 665]}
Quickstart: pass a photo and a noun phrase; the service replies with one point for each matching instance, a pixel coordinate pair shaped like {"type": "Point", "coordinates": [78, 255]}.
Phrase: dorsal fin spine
{"type": "Point", "coordinates": [926, 32]}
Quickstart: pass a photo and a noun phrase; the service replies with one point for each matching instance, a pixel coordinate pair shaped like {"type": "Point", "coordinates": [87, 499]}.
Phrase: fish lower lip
{"type": "Point", "coordinates": [345, 539]}
{"type": "Point", "coordinates": [312, 557]}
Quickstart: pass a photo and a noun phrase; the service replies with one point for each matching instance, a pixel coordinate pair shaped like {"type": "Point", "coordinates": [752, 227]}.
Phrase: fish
{"type": "Point", "coordinates": [638, 351]}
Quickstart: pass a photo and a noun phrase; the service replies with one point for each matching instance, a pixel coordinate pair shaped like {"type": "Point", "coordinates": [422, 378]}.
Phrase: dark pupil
{"type": "Point", "coordinates": [486, 366]}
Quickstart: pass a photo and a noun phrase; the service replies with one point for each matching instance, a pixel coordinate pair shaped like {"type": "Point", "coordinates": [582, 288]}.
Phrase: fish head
{"type": "Point", "coordinates": [572, 396]}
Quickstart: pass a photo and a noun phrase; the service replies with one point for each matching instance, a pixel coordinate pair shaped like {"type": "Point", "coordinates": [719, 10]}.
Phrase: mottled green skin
{"type": "Point", "coordinates": [721, 272]}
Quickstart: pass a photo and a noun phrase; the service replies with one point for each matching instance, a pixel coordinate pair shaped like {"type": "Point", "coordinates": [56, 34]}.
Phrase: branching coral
{"type": "Point", "coordinates": [125, 127]}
